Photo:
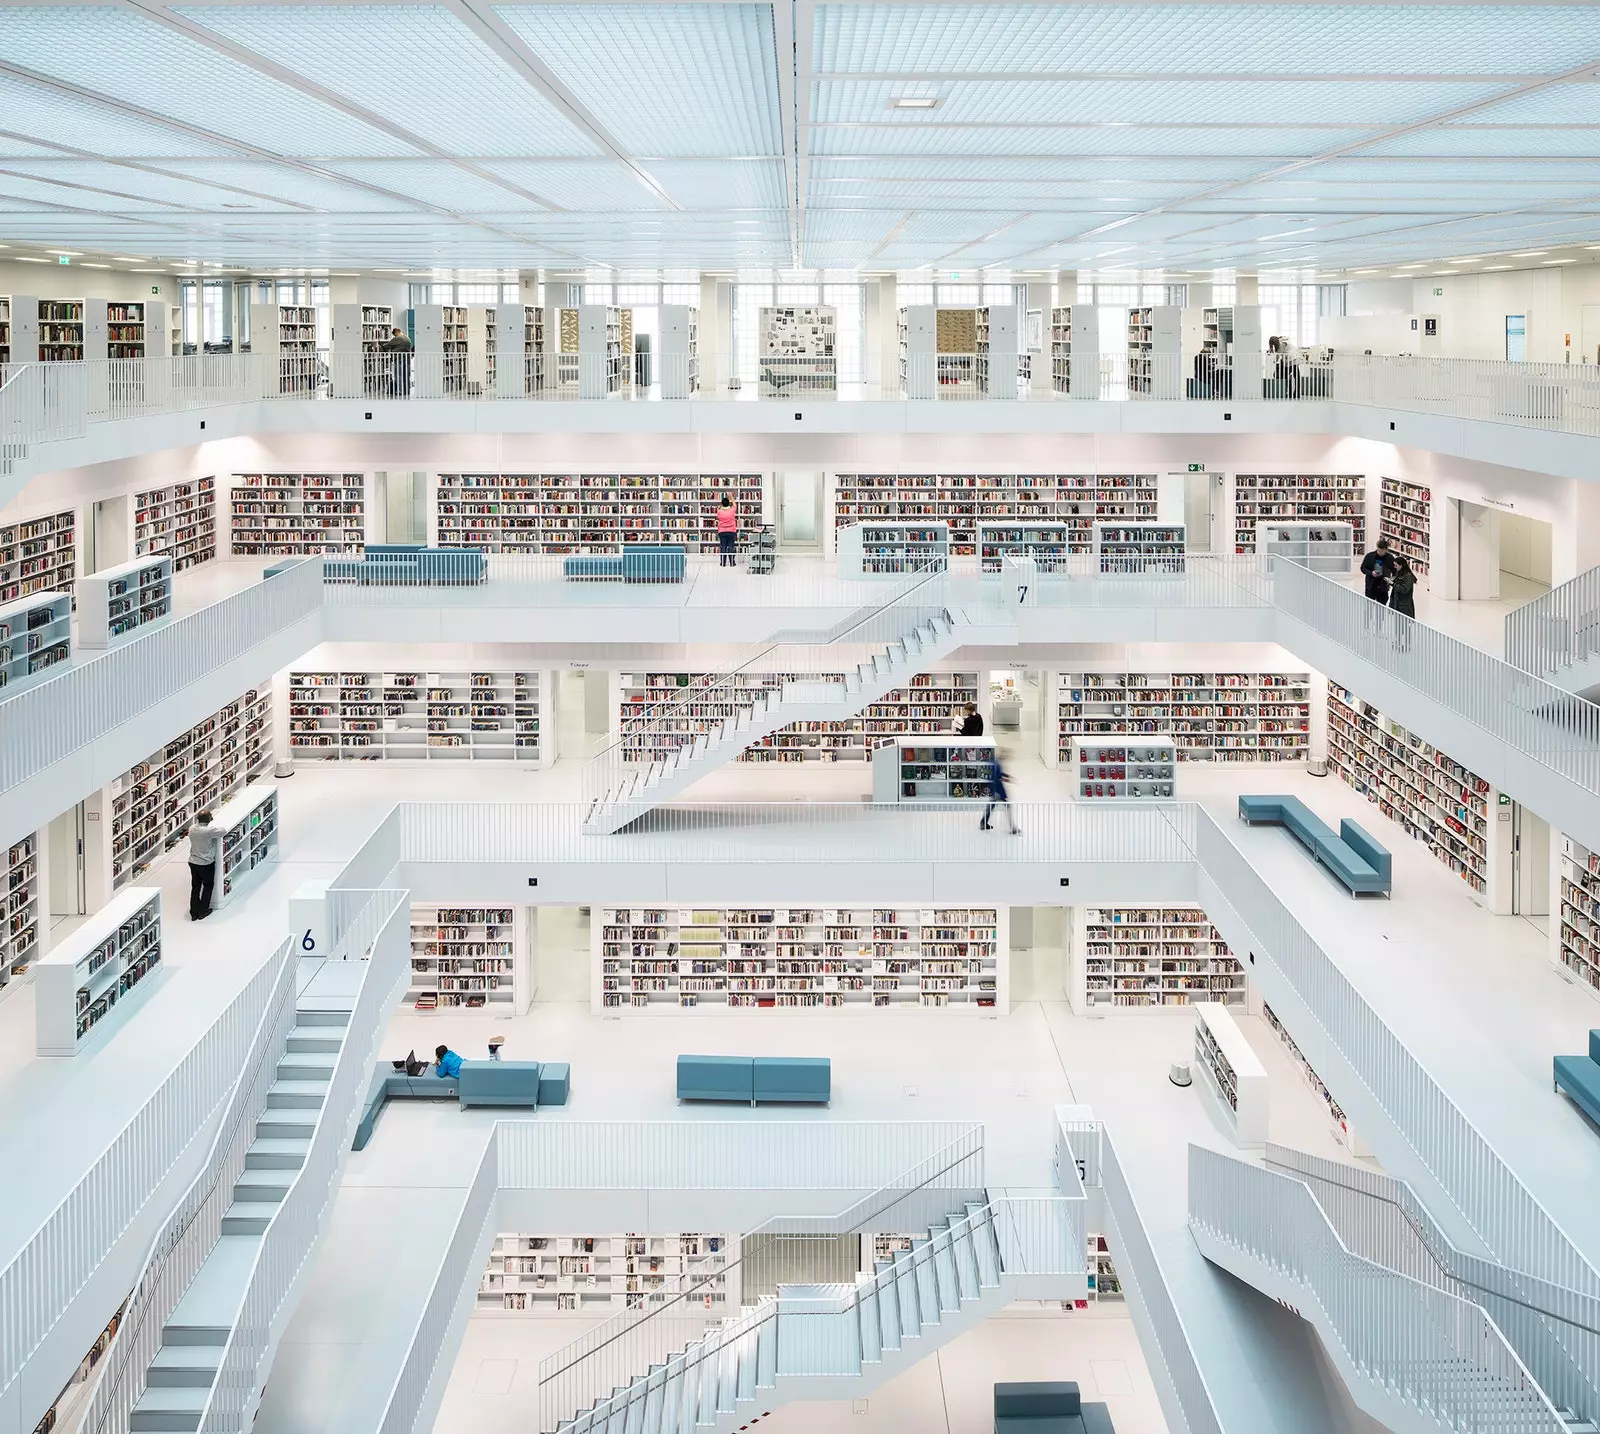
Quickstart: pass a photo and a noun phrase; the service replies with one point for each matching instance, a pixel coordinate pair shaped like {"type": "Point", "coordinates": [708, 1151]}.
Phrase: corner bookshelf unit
{"type": "Point", "coordinates": [797, 350]}
{"type": "Point", "coordinates": [92, 971]}
{"type": "Point", "coordinates": [1437, 800]}
{"type": "Point", "coordinates": [946, 770]}
{"type": "Point", "coordinates": [286, 336]}
{"type": "Point", "coordinates": [1140, 769]}
{"type": "Point", "coordinates": [295, 514]}
{"type": "Point", "coordinates": [1047, 544]}
{"type": "Point", "coordinates": [154, 801]}
{"type": "Point", "coordinates": [38, 555]}
{"type": "Point", "coordinates": [1142, 956]}
{"type": "Point", "coordinates": [414, 716]}
{"type": "Point", "coordinates": [1211, 716]}
{"type": "Point", "coordinates": [1322, 547]}
{"type": "Point", "coordinates": [874, 550]}
{"type": "Point", "coordinates": [1341, 1123]}
{"type": "Point", "coordinates": [1265, 497]}
{"type": "Point", "coordinates": [26, 917]}
{"type": "Point", "coordinates": [778, 958]}
{"type": "Point", "coordinates": [1104, 1283]}
{"type": "Point", "coordinates": [35, 634]}
{"type": "Point", "coordinates": [115, 603]}
{"type": "Point", "coordinates": [1577, 934]}
{"type": "Point", "coordinates": [1231, 1070]}
{"type": "Point", "coordinates": [964, 500]}
{"type": "Point", "coordinates": [678, 361]}
{"type": "Point", "coordinates": [468, 957]}
{"type": "Point", "coordinates": [590, 512]}
{"type": "Point", "coordinates": [60, 330]}
{"type": "Point", "coordinates": [248, 826]}
{"type": "Point", "coordinates": [590, 1274]}
{"type": "Point", "coordinates": [1405, 518]}
{"type": "Point", "coordinates": [179, 522]}
{"type": "Point", "coordinates": [1139, 549]}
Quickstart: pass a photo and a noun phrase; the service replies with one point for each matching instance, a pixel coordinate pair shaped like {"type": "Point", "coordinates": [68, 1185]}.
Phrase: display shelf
{"type": "Point", "coordinates": [1322, 547]}
{"type": "Point", "coordinates": [178, 521]}
{"type": "Point", "coordinates": [945, 770]}
{"type": "Point", "coordinates": [878, 549]}
{"type": "Point", "coordinates": [293, 514]}
{"type": "Point", "coordinates": [1577, 934]}
{"type": "Point", "coordinates": [1232, 1072]}
{"type": "Point", "coordinates": [115, 329]}
{"type": "Point", "coordinates": [590, 1274]}
{"type": "Point", "coordinates": [466, 957]}
{"type": "Point", "coordinates": [1263, 497]}
{"type": "Point", "coordinates": [1141, 769]}
{"type": "Point", "coordinates": [1405, 518]}
{"type": "Point", "coordinates": [1139, 549]}
{"type": "Point", "coordinates": [35, 634]}
{"type": "Point", "coordinates": [533, 349]}
{"type": "Point", "coordinates": [155, 801]}
{"type": "Point", "coordinates": [414, 716]}
{"type": "Point", "coordinates": [796, 350]}
{"type": "Point", "coordinates": [1341, 1124]}
{"type": "Point", "coordinates": [91, 972]}
{"type": "Point", "coordinates": [1155, 349]}
{"type": "Point", "coordinates": [1143, 956]}
{"type": "Point", "coordinates": [248, 828]}
{"type": "Point", "coordinates": [1061, 349]}
{"type": "Point", "coordinates": [1104, 1283]}
{"type": "Point", "coordinates": [1211, 716]}
{"type": "Point", "coordinates": [286, 334]}
{"type": "Point", "coordinates": [932, 706]}
{"type": "Point", "coordinates": [1049, 545]}
{"type": "Point", "coordinates": [814, 958]}
{"type": "Point", "coordinates": [1437, 800]}
{"type": "Point", "coordinates": [590, 512]}
{"type": "Point", "coordinates": [38, 555]}
{"type": "Point", "coordinates": [60, 330]}
{"type": "Point", "coordinates": [26, 916]}
{"type": "Point", "coordinates": [115, 603]}
{"type": "Point", "coordinates": [964, 500]}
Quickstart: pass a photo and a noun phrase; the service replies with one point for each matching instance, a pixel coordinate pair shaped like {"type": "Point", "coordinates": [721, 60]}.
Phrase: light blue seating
{"type": "Point", "coordinates": [716, 1078]}
{"type": "Point", "coordinates": [1579, 1076]}
{"type": "Point", "coordinates": [636, 563]}
{"type": "Point", "coordinates": [799, 1079]}
{"type": "Point", "coordinates": [592, 565]}
{"type": "Point", "coordinates": [409, 564]}
{"type": "Point", "coordinates": [1352, 856]}
{"type": "Point", "coordinates": [523, 1083]}
{"type": "Point", "coordinates": [555, 1082]}
{"type": "Point", "coordinates": [389, 1084]}
{"type": "Point", "coordinates": [499, 1083]}
{"type": "Point", "coordinates": [1047, 1407]}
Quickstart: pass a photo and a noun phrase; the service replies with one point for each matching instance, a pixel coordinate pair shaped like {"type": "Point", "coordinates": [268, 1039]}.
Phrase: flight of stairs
{"type": "Point", "coordinates": [907, 1307]}
{"type": "Point", "coordinates": [180, 1377]}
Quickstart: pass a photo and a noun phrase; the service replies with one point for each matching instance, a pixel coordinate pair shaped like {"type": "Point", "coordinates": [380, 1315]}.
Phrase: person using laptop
{"type": "Point", "coordinates": [446, 1063]}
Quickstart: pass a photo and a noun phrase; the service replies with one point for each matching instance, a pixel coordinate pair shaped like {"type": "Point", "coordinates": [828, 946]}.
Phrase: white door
{"type": "Point", "coordinates": [1199, 514]}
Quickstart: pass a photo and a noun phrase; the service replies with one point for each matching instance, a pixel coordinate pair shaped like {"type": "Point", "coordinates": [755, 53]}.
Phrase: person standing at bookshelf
{"type": "Point", "coordinates": [971, 722]}
{"type": "Point", "coordinates": [727, 532]}
{"type": "Point", "coordinates": [203, 847]}
{"type": "Point", "coordinates": [1376, 569]}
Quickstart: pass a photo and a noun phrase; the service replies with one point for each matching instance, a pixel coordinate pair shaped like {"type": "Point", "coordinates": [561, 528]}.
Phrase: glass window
{"type": "Point", "coordinates": [681, 294]}
{"type": "Point", "coordinates": [214, 304]}
{"type": "Point", "coordinates": [639, 295]}
{"type": "Point", "coordinates": [801, 293]}
{"type": "Point", "coordinates": [1224, 294]}
{"type": "Point", "coordinates": [599, 293]}
{"type": "Point", "coordinates": [244, 317]}
{"type": "Point", "coordinates": [1331, 300]}
{"type": "Point", "coordinates": [477, 294]}
{"type": "Point", "coordinates": [189, 304]}
{"type": "Point", "coordinates": [511, 293]}
{"type": "Point", "coordinates": [955, 295]}
{"type": "Point", "coordinates": [1516, 338]}
{"type": "Point", "coordinates": [748, 301]}
{"type": "Point", "coordinates": [850, 303]}
{"type": "Point", "coordinates": [906, 294]}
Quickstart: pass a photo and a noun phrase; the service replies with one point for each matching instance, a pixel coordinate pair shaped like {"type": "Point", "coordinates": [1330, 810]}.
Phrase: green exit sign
{"type": "Point", "coordinates": [63, 259]}
{"type": "Point", "coordinates": [1197, 467]}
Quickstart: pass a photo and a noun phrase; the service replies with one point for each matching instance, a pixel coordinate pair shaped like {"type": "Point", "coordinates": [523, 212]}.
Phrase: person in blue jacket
{"type": "Point", "coordinates": [446, 1063]}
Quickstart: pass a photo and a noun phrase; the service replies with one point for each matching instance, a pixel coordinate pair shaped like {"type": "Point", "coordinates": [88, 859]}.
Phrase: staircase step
{"type": "Point", "coordinates": [245, 1217]}
{"type": "Point", "coordinates": [314, 1039]}
{"type": "Point", "coordinates": [322, 1018]}
{"type": "Point", "coordinates": [296, 1095]}
{"type": "Point", "coordinates": [263, 1187]}
{"type": "Point", "coordinates": [312, 1067]}
{"type": "Point", "coordinates": [275, 1154]}
{"type": "Point", "coordinates": [184, 1366]}
{"type": "Point", "coordinates": [286, 1125]}
{"type": "Point", "coordinates": [171, 1410]}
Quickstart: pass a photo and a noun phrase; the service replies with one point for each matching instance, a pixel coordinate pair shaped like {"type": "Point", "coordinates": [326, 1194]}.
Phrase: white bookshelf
{"type": "Point", "coordinates": [1049, 545]}
{"type": "Point", "coordinates": [120, 329]}
{"type": "Point", "coordinates": [589, 350]}
{"type": "Point", "coordinates": [91, 973]}
{"type": "Point", "coordinates": [285, 335]}
{"type": "Point", "coordinates": [1233, 336]}
{"type": "Point", "coordinates": [439, 340]}
{"type": "Point", "coordinates": [1158, 336]}
{"type": "Point", "coordinates": [1322, 547]}
{"type": "Point", "coordinates": [470, 958]}
{"type": "Point", "coordinates": [735, 959]}
{"type": "Point", "coordinates": [1265, 497]}
{"type": "Point", "coordinates": [60, 330]}
{"type": "Point", "coordinates": [1405, 518]}
{"type": "Point", "coordinates": [1104, 1283]}
{"type": "Point", "coordinates": [154, 802]}
{"type": "Point", "coordinates": [932, 706]}
{"type": "Point", "coordinates": [293, 514]}
{"type": "Point", "coordinates": [999, 350]}
{"type": "Point", "coordinates": [1437, 800]}
{"type": "Point", "coordinates": [38, 555]}
{"type": "Point", "coordinates": [1213, 716]}
{"type": "Point", "coordinates": [1143, 550]}
{"type": "Point", "coordinates": [1061, 350]}
{"type": "Point", "coordinates": [1227, 1067]}
{"type": "Point", "coordinates": [879, 549]}
{"type": "Point", "coordinates": [35, 635]}
{"type": "Point", "coordinates": [115, 603]}
{"type": "Point", "coordinates": [797, 350]}
{"type": "Point", "coordinates": [536, 371]}
{"type": "Point", "coordinates": [597, 1274]}
{"type": "Point", "coordinates": [1128, 769]}
{"type": "Point", "coordinates": [678, 359]}
{"type": "Point", "coordinates": [1127, 957]}
{"type": "Point", "coordinates": [964, 500]}
{"type": "Point", "coordinates": [248, 827]}
{"type": "Point", "coordinates": [178, 521]}
{"type": "Point", "coordinates": [1341, 1123]}
{"type": "Point", "coordinates": [1577, 934]}
{"type": "Point", "coordinates": [589, 512]}
{"type": "Point", "coordinates": [26, 916]}
{"type": "Point", "coordinates": [5, 329]}
{"type": "Point", "coordinates": [943, 770]}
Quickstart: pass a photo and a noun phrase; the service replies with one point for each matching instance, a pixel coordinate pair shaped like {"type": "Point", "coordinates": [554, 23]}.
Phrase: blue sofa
{"type": "Point", "coordinates": [409, 564]}
{"type": "Point", "coordinates": [750, 1079]}
{"type": "Point", "coordinates": [1579, 1076]}
{"type": "Point", "coordinates": [499, 1083]}
{"type": "Point", "coordinates": [1047, 1407]}
{"type": "Point", "coordinates": [519, 1083]}
{"type": "Point", "coordinates": [1353, 856]}
{"type": "Point", "coordinates": [636, 563]}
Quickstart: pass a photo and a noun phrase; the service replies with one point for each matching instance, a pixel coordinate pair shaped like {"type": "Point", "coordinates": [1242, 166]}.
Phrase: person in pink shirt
{"type": "Point", "coordinates": [727, 531]}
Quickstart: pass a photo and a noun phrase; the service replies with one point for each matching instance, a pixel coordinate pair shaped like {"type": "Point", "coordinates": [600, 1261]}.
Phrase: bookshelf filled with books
{"type": "Point", "coordinates": [247, 831]}
{"type": "Point", "coordinates": [293, 514]}
{"type": "Point", "coordinates": [880, 549]}
{"type": "Point", "coordinates": [1576, 939]}
{"type": "Point", "coordinates": [178, 521]}
{"type": "Point", "coordinates": [35, 635]}
{"type": "Point", "coordinates": [1148, 550]}
{"type": "Point", "coordinates": [944, 770]}
{"type": "Point", "coordinates": [1262, 497]}
{"type": "Point", "coordinates": [115, 603]}
{"type": "Point", "coordinates": [598, 1274]}
{"type": "Point", "coordinates": [1142, 956]}
{"type": "Point", "coordinates": [60, 330]}
{"type": "Point", "coordinates": [1341, 1123]}
{"type": "Point", "coordinates": [38, 555]}
{"type": "Point", "coordinates": [1225, 1064]}
{"type": "Point", "coordinates": [27, 920]}
{"type": "Point", "coordinates": [1405, 518]}
{"type": "Point", "coordinates": [470, 958]}
{"type": "Point", "coordinates": [91, 972]}
{"type": "Point", "coordinates": [286, 335]}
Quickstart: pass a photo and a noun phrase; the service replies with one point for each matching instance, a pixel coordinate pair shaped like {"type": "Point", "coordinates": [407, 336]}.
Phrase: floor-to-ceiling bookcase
{"type": "Point", "coordinates": [38, 555]}
{"type": "Point", "coordinates": [1577, 930]}
{"type": "Point", "coordinates": [738, 959]}
{"type": "Point", "coordinates": [1261, 496]}
{"type": "Point", "coordinates": [291, 514]}
{"type": "Point", "coordinates": [178, 521]}
{"type": "Point", "coordinates": [595, 1274]}
{"type": "Point", "coordinates": [1141, 956]}
{"type": "Point", "coordinates": [1437, 800]}
{"type": "Point", "coordinates": [470, 957]}
{"type": "Point", "coordinates": [415, 716]}
{"type": "Point", "coordinates": [1405, 518]}
{"type": "Point", "coordinates": [25, 912]}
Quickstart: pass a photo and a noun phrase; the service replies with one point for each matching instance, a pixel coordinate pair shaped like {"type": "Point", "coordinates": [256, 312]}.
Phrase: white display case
{"type": "Point", "coordinates": [35, 635]}
{"type": "Point", "coordinates": [248, 827]}
{"type": "Point", "coordinates": [93, 971]}
{"type": "Point", "coordinates": [1139, 550]}
{"type": "Point", "coordinates": [879, 550]}
{"type": "Point", "coordinates": [1125, 769]}
{"type": "Point", "coordinates": [1322, 547]}
{"type": "Point", "coordinates": [115, 603]}
{"type": "Point", "coordinates": [946, 770]}
{"type": "Point", "coordinates": [1229, 1069]}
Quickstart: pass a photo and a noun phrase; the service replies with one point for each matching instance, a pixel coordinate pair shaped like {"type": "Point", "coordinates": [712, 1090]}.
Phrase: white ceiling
{"type": "Point", "coordinates": [729, 135]}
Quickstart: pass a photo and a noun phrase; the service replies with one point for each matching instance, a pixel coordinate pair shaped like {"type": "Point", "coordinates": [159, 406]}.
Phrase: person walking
{"type": "Point", "coordinates": [203, 846]}
{"type": "Point", "coordinates": [1402, 599]}
{"type": "Point", "coordinates": [971, 722]}
{"type": "Point", "coordinates": [727, 532]}
{"type": "Point", "coordinates": [997, 796]}
{"type": "Point", "coordinates": [1376, 569]}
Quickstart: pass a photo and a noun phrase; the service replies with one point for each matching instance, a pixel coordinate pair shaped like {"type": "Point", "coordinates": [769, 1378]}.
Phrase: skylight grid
{"type": "Point", "coordinates": [168, 189]}
{"type": "Point", "coordinates": [721, 184]}
{"type": "Point", "coordinates": [286, 182]}
{"type": "Point", "coordinates": [1188, 170]}
{"type": "Point", "coordinates": [47, 114]}
{"type": "Point", "coordinates": [1492, 143]}
{"type": "Point", "coordinates": [435, 182]}
{"type": "Point", "coordinates": [579, 184]}
{"type": "Point", "coordinates": [41, 191]}
{"type": "Point", "coordinates": [1267, 143]}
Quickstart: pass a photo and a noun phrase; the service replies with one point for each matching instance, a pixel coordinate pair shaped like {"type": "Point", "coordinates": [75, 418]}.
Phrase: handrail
{"type": "Point", "coordinates": [1558, 628]}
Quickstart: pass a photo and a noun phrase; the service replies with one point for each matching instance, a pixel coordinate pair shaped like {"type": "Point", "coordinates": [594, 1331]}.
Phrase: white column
{"type": "Point", "coordinates": [1247, 289]}
{"type": "Point", "coordinates": [889, 333]}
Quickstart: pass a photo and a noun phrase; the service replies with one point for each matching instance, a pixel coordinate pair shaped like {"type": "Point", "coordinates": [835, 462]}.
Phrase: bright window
{"type": "Point", "coordinates": [908, 294]}
{"type": "Point", "coordinates": [849, 301]}
{"type": "Point", "coordinates": [681, 294]}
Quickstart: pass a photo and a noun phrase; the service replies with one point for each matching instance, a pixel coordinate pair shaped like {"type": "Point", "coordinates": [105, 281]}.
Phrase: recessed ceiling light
{"type": "Point", "coordinates": [1548, 262]}
{"type": "Point", "coordinates": [125, 259]}
{"type": "Point", "coordinates": [1531, 254]}
{"type": "Point", "coordinates": [70, 253]}
{"type": "Point", "coordinates": [31, 259]}
{"type": "Point", "coordinates": [87, 265]}
{"type": "Point", "coordinates": [914, 102]}
{"type": "Point", "coordinates": [1466, 259]}
{"type": "Point", "coordinates": [1489, 268]}
{"type": "Point", "coordinates": [1439, 273]}
{"type": "Point", "coordinates": [1363, 271]}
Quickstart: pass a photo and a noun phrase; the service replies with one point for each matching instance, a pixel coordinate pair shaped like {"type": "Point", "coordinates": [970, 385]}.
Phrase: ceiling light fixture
{"type": "Point", "coordinates": [31, 259]}
{"type": "Point", "coordinates": [1549, 262]}
{"type": "Point", "coordinates": [1490, 268]}
{"type": "Point", "coordinates": [1439, 273]}
{"type": "Point", "coordinates": [70, 253]}
{"type": "Point", "coordinates": [1531, 254]}
{"type": "Point", "coordinates": [914, 102]}
{"type": "Point", "coordinates": [87, 265]}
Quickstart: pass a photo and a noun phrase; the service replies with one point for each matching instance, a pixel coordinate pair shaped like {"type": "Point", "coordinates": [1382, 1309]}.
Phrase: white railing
{"type": "Point", "coordinates": [195, 1225]}
{"type": "Point", "coordinates": [1440, 1353]}
{"type": "Point", "coordinates": [1564, 398]}
{"type": "Point", "coordinates": [1557, 629]}
{"type": "Point", "coordinates": [64, 714]}
{"type": "Point", "coordinates": [38, 1286]}
{"type": "Point", "coordinates": [383, 933]}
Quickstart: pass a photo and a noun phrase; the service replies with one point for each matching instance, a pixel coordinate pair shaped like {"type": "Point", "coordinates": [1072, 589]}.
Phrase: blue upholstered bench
{"type": "Point", "coordinates": [750, 1079]}
{"type": "Point", "coordinates": [1579, 1076]}
{"type": "Point", "coordinates": [636, 563]}
{"type": "Point", "coordinates": [520, 1083]}
{"type": "Point", "coordinates": [499, 1083]}
{"type": "Point", "coordinates": [592, 567]}
{"type": "Point", "coordinates": [1047, 1407]}
{"type": "Point", "coordinates": [1353, 856]}
{"type": "Point", "coordinates": [411, 564]}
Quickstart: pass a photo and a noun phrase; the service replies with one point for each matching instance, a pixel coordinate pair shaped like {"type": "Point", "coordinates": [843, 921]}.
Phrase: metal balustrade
{"type": "Point", "coordinates": [1558, 629]}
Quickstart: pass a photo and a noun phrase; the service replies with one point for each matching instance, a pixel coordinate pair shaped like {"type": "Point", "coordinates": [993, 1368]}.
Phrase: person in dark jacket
{"type": "Point", "coordinates": [1402, 599]}
{"type": "Point", "coordinates": [971, 722]}
{"type": "Point", "coordinates": [1376, 568]}
{"type": "Point", "coordinates": [997, 796]}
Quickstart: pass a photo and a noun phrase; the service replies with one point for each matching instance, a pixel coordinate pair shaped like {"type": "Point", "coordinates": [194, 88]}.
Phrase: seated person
{"type": "Point", "coordinates": [447, 1064]}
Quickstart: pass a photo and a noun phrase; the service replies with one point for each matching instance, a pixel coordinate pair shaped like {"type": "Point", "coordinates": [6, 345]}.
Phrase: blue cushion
{"type": "Point", "coordinates": [716, 1078]}
{"type": "Point", "coordinates": [555, 1082]}
{"type": "Point", "coordinates": [1346, 865]}
{"type": "Point", "coordinates": [1304, 822]}
{"type": "Point", "coordinates": [1375, 856]}
{"type": "Point", "coordinates": [652, 563]}
{"type": "Point", "coordinates": [1036, 1399]}
{"type": "Point", "coordinates": [592, 567]}
{"type": "Point", "coordinates": [390, 550]}
{"type": "Point", "coordinates": [1261, 809]}
{"type": "Point", "coordinates": [499, 1083]}
{"type": "Point", "coordinates": [1580, 1078]}
{"type": "Point", "coordinates": [798, 1078]}
{"type": "Point", "coordinates": [1594, 1046]}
